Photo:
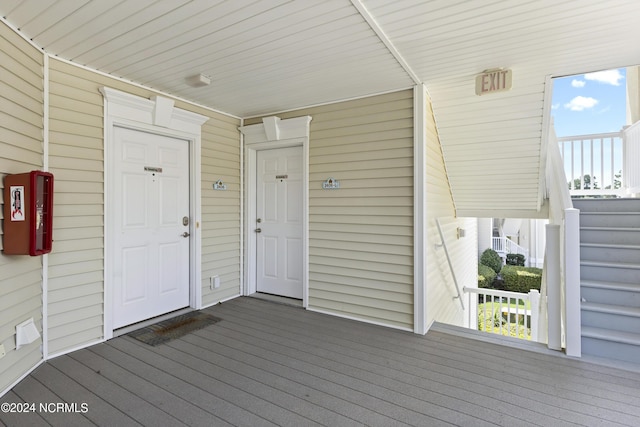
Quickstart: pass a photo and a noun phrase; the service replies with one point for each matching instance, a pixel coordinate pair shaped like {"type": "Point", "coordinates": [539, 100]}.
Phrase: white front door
{"type": "Point", "coordinates": [279, 223]}
{"type": "Point", "coordinates": [151, 232]}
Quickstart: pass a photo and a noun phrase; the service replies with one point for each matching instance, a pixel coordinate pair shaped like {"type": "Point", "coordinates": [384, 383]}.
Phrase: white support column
{"type": "Point", "coordinates": [485, 234]}
{"type": "Point", "coordinates": [419, 210]}
{"type": "Point", "coordinates": [573, 329]}
{"type": "Point", "coordinates": [554, 293]}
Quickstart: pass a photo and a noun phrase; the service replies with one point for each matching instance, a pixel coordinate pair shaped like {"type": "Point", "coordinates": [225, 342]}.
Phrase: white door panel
{"type": "Point", "coordinates": [151, 265]}
{"type": "Point", "coordinates": [279, 201]}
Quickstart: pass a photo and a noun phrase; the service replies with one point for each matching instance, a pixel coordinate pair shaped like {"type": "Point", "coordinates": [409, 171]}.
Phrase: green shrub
{"type": "Point", "coordinates": [490, 258]}
{"type": "Point", "coordinates": [515, 259]}
{"type": "Point", "coordinates": [521, 279]}
{"type": "Point", "coordinates": [486, 276]}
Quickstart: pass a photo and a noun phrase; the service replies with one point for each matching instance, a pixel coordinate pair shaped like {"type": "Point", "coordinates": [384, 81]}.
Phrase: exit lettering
{"type": "Point", "coordinates": [493, 81]}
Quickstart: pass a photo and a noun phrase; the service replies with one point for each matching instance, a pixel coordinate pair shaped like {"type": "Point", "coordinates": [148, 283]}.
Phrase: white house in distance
{"type": "Point", "coordinates": [333, 152]}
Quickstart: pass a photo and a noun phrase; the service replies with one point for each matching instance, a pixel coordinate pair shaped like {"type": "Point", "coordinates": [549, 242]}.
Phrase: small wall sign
{"type": "Point", "coordinates": [491, 81]}
{"type": "Point", "coordinates": [219, 185]}
{"type": "Point", "coordinates": [152, 169]}
{"type": "Point", "coordinates": [331, 184]}
{"type": "Point", "coordinates": [17, 202]}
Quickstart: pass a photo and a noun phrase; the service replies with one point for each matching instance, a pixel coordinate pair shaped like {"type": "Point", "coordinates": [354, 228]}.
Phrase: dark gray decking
{"type": "Point", "coordinates": [271, 364]}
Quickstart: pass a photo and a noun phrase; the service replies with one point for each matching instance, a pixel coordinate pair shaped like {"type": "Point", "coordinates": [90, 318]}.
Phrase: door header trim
{"type": "Point", "coordinates": [274, 129]}
{"type": "Point", "coordinates": [156, 111]}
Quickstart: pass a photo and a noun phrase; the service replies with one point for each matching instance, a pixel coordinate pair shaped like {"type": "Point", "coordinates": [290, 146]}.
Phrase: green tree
{"type": "Point", "coordinates": [617, 183]}
{"type": "Point", "coordinates": [577, 183]}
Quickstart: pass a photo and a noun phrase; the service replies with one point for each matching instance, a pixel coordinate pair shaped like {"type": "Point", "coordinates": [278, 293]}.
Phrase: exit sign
{"type": "Point", "coordinates": [492, 81]}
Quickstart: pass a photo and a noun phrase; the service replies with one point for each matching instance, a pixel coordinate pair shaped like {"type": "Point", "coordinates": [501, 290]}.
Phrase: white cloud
{"type": "Point", "coordinates": [578, 83]}
{"type": "Point", "coordinates": [555, 106]}
{"type": "Point", "coordinates": [610, 77]}
{"type": "Point", "coordinates": [580, 103]}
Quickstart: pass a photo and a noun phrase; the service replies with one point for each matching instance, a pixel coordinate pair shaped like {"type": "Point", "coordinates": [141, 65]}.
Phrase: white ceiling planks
{"type": "Point", "coordinates": [117, 23]}
{"type": "Point", "coordinates": [262, 56]}
{"type": "Point", "coordinates": [243, 48]}
{"type": "Point", "coordinates": [259, 62]}
{"type": "Point", "coordinates": [266, 56]}
{"type": "Point", "coordinates": [24, 13]}
{"type": "Point", "coordinates": [144, 34]}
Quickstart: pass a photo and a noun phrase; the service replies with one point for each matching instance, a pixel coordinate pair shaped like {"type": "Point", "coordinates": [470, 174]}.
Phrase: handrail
{"type": "Point", "coordinates": [558, 191]}
{"type": "Point", "coordinates": [506, 245]}
{"type": "Point", "coordinates": [453, 274]}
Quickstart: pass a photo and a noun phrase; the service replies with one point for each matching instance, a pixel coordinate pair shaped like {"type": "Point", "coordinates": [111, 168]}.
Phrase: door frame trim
{"type": "Point", "coordinates": [156, 116]}
{"type": "Point", "coordinates": [274, 133]}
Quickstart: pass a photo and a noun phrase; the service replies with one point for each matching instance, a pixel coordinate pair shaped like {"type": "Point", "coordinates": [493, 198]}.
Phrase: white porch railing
{"type": "Point", "coordinates": [504, 245]}
{"type": "Point", "coordinates": [604, 164]}
{"type": "Point", "coordinates": [593, 163]}
{"type": "Point", "coordinates": [506, 313]}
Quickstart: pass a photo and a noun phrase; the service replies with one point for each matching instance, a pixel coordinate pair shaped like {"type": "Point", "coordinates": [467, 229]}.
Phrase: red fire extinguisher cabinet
{"type": "Point", "coordinates": [28, 213]}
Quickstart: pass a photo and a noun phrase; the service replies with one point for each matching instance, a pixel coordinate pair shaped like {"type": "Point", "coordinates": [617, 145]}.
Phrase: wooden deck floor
{"type": "Point", "coordinates": [269, 364]}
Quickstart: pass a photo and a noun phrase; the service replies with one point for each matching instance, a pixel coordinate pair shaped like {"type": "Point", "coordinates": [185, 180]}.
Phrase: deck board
{"type": "Point", "coordinates": [398, 370]}
{"type": "Point", "coordinates": [268, 364]}
{"type": "Point", "coordinates": [172, 381]}
{"type": "Point", "coordinates": [69, 390]}
{"type": "Point", "coordinates": [115, 394]}
{"type": "Point", "coordinates": [253, 374]}
{"type": "Point", "coordinates": [172, 403]}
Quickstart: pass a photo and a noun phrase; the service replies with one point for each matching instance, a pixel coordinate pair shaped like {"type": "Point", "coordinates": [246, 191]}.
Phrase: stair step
{"type": "Point", "coordinates": [616, 317]}
{"type": "Point", "coordinates": [607, 205]}
{"type": "Point", "coordinates": [606, 343]}
{"type": "Point", "coordinates": [623, 310]}
{"type": "Point", "coordinates": [609, 219]}
{"type": "Point", "coordinates": [611, 335]}
{"type": "Point", "coordinates": [609, 235]}
{"type": "Point", "coordinates": [607, 292]}
{"type": "Point", "coordinates": [613, 286]}
{"type": "Point", "coordinates": [623, 272]}
{"type": "Point", "coordinates": [609, 252]}
{"type": "Point", "coordinates": [610, 264]}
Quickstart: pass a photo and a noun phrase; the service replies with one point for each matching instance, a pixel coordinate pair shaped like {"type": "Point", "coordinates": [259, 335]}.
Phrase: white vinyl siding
{"type": "Point", "coordinates": [75, 300]}
{"type": "Point", "coordinates": [21, 150]}
{"type": "Point", "coordinates": [440, 287]}
{"type": "Point", "coordinates": [76, 267]}
{"type": "Point", "coordinates": [220, 208]}
{"type": "Point", "coordinates": [361, 235]}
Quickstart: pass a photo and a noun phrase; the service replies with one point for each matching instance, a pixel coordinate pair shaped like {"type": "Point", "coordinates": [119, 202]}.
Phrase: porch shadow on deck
{"type": "Point", "coordinates": [272, 364]}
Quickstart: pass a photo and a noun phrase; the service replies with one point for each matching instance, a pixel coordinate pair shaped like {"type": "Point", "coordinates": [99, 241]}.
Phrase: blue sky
{"type": "Point", "coordinates": [589, 103]}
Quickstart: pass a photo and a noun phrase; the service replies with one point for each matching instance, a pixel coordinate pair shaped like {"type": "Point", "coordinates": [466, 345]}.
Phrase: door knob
{"type": "Point", "coordinates": [185, 234]}
{"type": "Point", "coordinates": [258, 230]}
